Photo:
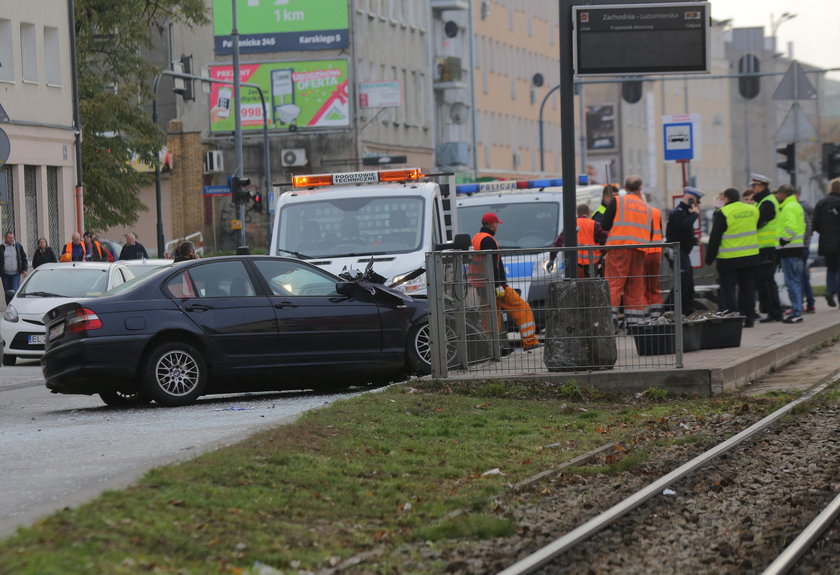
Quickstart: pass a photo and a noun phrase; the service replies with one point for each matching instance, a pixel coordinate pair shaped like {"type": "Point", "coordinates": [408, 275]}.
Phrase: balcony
{"type": "Point", "coordinates": [448, 73]}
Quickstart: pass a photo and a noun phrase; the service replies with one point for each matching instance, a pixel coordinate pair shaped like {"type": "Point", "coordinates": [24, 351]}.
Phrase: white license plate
{"type": "Point", "coordinates": [36, 340]}
{"type": "Point", "coordinates": [57, 331]}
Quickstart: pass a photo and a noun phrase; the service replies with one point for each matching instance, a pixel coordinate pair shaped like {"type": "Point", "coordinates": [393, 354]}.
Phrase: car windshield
{"type": "Point", "coordinates": [525, 224]}
{"type": "Point", "coordinates": [69, 282]}
{"type": "Point", "coordinates": [350, 226]}
{"type": "Point", "coordinates": [141, 267]}
{"type": "Point", "coordinates": [139, 280]}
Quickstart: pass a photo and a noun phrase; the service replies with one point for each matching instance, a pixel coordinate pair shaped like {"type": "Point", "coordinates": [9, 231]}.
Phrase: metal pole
{"type": "Point", "coordinates": [80, 212]}
{"type": "Point", "coordinates": [237, 134]}
{"type": "Point", "coordinates": [567, 136]}
{"type": "Point", "coordinates": [582, 129]}
{"type": "Point", "coordinates": [542, 107]}
{"type": "Point", "coordinates": [158, 200]}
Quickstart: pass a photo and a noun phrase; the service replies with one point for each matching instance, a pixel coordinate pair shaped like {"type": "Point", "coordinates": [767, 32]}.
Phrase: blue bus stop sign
{"type": "Point", "coordinates": [679, 141]}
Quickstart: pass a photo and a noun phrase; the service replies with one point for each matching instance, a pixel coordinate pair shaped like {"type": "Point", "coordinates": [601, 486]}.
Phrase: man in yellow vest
{"type": "Point", "coordinates": [733, 241]}
{"type": "Point", "coordinates": [629, 221]}
{"type": "Point", "coordinates": [768, 241]}
{"type": "Point", "coordinates": [609, 191]}
{"type": "Point", "coordinates": [506, 297]}
{"type": "Point", "coordinates": [791, 245]}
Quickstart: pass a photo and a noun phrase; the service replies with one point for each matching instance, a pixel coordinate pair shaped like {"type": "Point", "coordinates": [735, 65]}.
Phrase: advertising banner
{"type": "Point", "coordinates": [380, 95]}
{"type": "Point", "coordinates": [281, 25]}
{"type": "Point", "coordinates": [311, 94]}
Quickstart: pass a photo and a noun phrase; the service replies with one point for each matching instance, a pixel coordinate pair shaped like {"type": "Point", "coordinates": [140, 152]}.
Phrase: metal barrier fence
{"type": "Point", "coordinates": [584, 324]}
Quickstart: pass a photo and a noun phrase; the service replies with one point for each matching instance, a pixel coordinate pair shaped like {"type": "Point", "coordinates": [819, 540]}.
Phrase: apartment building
{"type": "Point", "coordinates": [36, 94]}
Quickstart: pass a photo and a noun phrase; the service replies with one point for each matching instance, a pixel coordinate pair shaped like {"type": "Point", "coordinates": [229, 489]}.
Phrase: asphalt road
{"type": "Point", "coordinates": [59, 451]}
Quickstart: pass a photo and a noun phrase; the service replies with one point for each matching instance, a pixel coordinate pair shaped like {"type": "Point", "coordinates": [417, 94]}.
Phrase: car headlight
{"type": "Point", "coordinates": [11, 314]}
{"type": "Point", "coordinates": [416, 285]}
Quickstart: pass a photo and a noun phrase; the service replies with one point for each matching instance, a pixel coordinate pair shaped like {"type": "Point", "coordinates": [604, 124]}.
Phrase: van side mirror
{"type": "Point", "coordinates": [461, 242]}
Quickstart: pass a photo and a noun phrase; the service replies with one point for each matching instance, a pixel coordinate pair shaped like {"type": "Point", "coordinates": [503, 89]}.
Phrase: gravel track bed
{"type": "Point", "coordinates": [733, 516]}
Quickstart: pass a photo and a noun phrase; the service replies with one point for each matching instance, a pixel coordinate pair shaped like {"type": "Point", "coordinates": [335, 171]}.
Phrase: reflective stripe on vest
{"type": "Point", "coordinates": [741, 237]}
{"type": "Point", "coordinates": [792, 225]}
{"type": "Point", "coordinates": [656, 236]}
{"type": "Point", "coordinates": [768, 236]}
{"type": "Point", "coordinates": [631, 224]}
{"type": "Point", "coordinates": [476, 275]}
{"type": "Point", "coordinates": [601, 209]}
{"type": "Point", "coordinates": [586, 237]}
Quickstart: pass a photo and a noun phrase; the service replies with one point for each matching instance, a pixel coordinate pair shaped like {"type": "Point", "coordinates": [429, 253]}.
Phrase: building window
{"type": "Point", "coordinates": [52, 56]}
{"type": "Point", "coordinates": [30, 204]}
{"type": "Point", "coordinates": [9, 208]}
{"type": "Point", "coordinates": [28, 53]}
{"type": "Point", "coordinates": [53, 207]}
{"type": "Point", "coordinates": [7, 63]}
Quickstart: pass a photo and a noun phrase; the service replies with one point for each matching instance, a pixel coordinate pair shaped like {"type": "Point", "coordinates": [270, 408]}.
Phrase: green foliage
{"type": "Point", "coordinates": [115, 79]}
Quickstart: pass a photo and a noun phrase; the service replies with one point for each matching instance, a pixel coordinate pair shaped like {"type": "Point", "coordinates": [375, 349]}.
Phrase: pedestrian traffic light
{"type": "Point", "coordinates": [258, 205]}
{"type": "Point", "coordinates": [831, 160]}
{"type": "Point", "coordinates": [631, 91]}
{"type": "Point", "coordinates": [748, 84]}
{"type": "Point", "coordinates": [788, 152]}
{"type": "Point", "coordinates": [237, 189]}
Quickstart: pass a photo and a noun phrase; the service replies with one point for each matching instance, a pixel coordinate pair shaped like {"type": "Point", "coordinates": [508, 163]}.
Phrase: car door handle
{"type": "Point", "coordinates": [284, 305]}
{"type": "Point", "coordinates": [198, 307]}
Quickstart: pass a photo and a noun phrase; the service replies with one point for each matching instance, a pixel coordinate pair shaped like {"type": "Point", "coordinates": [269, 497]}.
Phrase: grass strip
{"type": "Point", "coordinates": [415, 462]}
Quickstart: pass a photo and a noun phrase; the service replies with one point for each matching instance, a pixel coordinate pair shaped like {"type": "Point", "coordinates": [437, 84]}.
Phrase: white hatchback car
{"type": "Point", "coordinates": [48, 286]}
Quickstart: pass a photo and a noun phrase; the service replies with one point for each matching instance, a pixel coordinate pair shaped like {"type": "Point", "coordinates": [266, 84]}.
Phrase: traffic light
{"type": "Point", "coordinates": [183, 86]}
{"type": "Point", "coordinates": [631, 91]}
{"type": "Point", "coordinates": [237, 189]}
{"type": "Point", "coordinates": [258, 204]}
{"type": "Point", "coordinates": [788, 164]}
{"type": "Point", "coordinates": [831, 160]}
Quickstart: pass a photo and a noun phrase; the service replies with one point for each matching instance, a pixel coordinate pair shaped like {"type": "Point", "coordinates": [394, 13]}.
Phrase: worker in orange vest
{"type": "Point", "coordinates": [506, 297]}
{"type": "Point", "coordinates": [653, 267]}
{"type": "Point", "coordinates": [629, 222]}
{"type": "Point", "coordinates": [589, 233]}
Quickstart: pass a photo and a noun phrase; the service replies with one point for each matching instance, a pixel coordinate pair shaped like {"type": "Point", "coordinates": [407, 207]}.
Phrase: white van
{"type": "Point", "coordinates": [341, 220]}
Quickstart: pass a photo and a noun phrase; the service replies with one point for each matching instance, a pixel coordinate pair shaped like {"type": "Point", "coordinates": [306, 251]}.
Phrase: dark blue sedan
{"type": "Point", "coordinates": [232, 324]}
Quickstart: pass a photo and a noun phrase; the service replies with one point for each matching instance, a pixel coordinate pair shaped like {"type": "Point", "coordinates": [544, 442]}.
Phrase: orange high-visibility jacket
{"type": "Point", "coordinates": [632, 223]}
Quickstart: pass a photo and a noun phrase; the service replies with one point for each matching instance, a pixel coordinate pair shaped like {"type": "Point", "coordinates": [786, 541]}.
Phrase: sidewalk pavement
{"type": "Point", "coordinates": [764, 348]}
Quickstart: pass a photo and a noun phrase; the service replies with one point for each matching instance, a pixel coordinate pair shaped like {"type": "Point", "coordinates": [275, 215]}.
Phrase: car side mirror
{"type": "Point", "coordinates": [345, 288]}
{"type": "Point", "coordinates": [10, 294]}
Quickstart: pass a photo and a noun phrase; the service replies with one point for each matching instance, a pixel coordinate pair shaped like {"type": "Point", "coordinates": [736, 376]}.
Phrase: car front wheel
{"type": "Point", "coordinates": [175, 374]}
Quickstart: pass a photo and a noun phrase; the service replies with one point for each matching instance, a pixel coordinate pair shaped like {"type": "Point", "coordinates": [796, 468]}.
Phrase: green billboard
{"type": "Point", "coordinates": [281, 25]}
{"type": "Point", "coordinates": [299, 95]}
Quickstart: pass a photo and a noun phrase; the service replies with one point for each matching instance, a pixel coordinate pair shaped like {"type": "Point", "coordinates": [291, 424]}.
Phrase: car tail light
{"type": "Point", "coordinates": [83, 320]}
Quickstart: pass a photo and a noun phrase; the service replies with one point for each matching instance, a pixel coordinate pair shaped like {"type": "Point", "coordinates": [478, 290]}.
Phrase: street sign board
{"type": "Point", "coordinates": [678, 141]}
{"type": "Point", "coordinates": [795, 85]}
{"type": "Point", "coordinates": [216, 190]}
{"type": "Point", "coordinates": [630, 39]}
{"type": "Point", "coordinates": [796, 127]}
{"type": "Point", "coordinates": [5, 147]}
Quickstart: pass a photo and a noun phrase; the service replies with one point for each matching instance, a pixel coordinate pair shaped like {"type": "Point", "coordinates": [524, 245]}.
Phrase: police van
{"type": "Point", "coordinates": [532, 216]}
{"type": "Point", "coordinates": [340, 220]}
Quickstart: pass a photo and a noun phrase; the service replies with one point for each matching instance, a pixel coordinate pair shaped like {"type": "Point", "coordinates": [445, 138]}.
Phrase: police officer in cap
{"type": "Point", "coordinates": [768, 243]}
{"type": "Point", "coordinates": [680, 228]}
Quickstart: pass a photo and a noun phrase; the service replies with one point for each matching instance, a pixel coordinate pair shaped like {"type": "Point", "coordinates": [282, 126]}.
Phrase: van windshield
{"type": "Point", "coordinates": [524, 224]}
{"type": "Point", "coordinates": [352, 226]}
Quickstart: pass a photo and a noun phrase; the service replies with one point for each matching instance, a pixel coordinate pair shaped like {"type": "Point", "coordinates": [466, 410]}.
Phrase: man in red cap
{"type": "Point", "coordinates": [506, 297]}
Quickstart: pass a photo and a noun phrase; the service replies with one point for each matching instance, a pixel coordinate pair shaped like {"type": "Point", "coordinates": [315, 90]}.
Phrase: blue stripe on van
{"type": "Point", "coordinates": [519, 270]}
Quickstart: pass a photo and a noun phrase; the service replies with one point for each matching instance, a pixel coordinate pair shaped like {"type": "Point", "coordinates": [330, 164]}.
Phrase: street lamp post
{"type": "Point", "coordinates": [542, 107]}
{"type": "Point", "coordinates": [776, 22]}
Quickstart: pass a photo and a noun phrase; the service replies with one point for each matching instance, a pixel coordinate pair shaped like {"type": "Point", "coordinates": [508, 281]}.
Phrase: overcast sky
{"type": "Point", "coordinates": [815, 31]}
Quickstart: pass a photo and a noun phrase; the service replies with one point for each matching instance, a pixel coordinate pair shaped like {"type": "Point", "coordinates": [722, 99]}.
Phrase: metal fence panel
{"type": "Point", "coordinates": [471, 337]}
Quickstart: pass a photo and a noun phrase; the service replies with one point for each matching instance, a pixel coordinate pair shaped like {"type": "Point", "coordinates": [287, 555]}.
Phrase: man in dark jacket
{"type": "Point", "coordinates": [680, 228]}
{"type": "Point", "coordinates": [827, 223]}
{"type": "Point", "coordinates": [734, 243]}
{"type": "Point", "coordinates": [133, 250]}
{"type": "Point", "coordinates": [14, 263]}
